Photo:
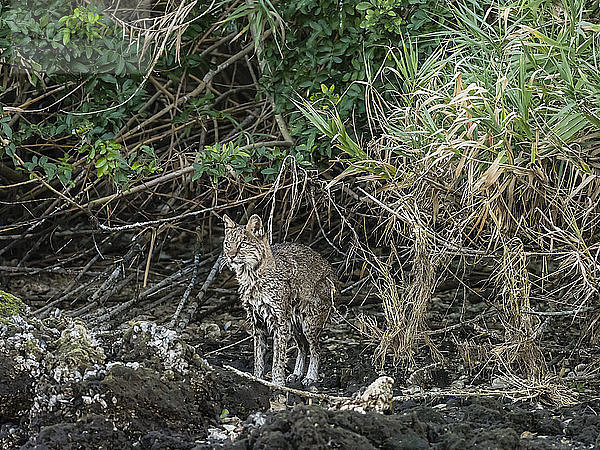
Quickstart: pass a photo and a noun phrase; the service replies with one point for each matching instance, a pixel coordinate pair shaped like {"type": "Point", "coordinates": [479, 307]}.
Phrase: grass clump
{"type": "Point", "coordinates": [486, 151]}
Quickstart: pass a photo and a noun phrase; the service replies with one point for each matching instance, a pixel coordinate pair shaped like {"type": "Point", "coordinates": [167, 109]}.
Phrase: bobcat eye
{"type": "Point", "coordinates": [243, 244]}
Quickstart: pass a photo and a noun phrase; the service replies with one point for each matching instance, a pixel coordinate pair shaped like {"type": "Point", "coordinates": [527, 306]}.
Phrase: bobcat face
{"type": "Point", "coordinates": [244, 245]}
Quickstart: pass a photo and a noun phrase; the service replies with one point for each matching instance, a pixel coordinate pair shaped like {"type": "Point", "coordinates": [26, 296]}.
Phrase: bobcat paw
{"type": "Point", "coordinates": [307, 382]}
{"type": "Point", "coordinates": [292, 378]}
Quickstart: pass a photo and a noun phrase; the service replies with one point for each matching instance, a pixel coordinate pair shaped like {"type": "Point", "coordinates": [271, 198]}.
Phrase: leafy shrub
{"type": "Point", "coordinates": [216, 160]}
{"type": "Point", "coordinates": [50, 37]}
{"type": "Point", "coordinates": [82, 22]}
{"type": "Point", "coordinates": [230, 160]}
{"type": "Point", "coordinates": [382, 14]}
{"type": "Point", "coordinates": [62, 170]}
{"type": "Point", "coordinates": [108, 160]}
{"type": "Point", "coordinates": [340, 43]}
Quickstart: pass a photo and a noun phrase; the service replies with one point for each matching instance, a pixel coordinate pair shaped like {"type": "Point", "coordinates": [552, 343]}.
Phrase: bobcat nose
{"type": "Point", "coordinates": [232, 253]}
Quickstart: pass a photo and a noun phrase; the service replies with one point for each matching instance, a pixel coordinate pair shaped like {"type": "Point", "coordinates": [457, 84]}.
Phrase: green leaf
{"type": "Point", "coordinates": [198, 171]}
{"type": "Point", "coordinates": [363, 6]}
{"type": "Point", "coordinates": [120, 66]}
{"type": "Point", "coordinates": [269, 171]}
{"type": "Point", "coordinates": [6, 130]}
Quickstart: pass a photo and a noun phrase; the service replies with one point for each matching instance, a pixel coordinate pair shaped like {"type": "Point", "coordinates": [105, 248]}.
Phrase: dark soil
{"type": "Point", "coordinates": [457, 424]}
{"type": "Point", "coordinates": [145, 388]}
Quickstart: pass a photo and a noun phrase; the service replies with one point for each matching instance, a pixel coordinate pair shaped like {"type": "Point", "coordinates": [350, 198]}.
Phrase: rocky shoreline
{"type": "Point", "coordinates": [64, 385]}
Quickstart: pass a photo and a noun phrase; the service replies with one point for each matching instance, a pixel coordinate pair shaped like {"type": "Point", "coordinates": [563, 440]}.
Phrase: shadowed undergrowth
{"type": "Point", "coordinates": [486, 152]}
{"type": "Point", "coordinates": [469, 151]}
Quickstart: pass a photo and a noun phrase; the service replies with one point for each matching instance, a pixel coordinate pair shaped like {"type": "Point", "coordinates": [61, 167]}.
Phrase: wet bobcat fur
{"type": "Point", "coordinates": [285, 289]}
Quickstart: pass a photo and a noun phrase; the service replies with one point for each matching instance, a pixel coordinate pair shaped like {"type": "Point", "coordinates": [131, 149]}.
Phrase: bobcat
{"type": "Point", "coordinates": [284, 288]}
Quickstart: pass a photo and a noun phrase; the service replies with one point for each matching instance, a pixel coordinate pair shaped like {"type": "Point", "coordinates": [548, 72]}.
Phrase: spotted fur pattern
{"type": "Point", "coordinates": [286, 289]}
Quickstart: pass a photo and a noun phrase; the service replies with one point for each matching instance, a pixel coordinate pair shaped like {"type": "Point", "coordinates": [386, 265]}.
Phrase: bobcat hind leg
{"type": "Point", "coordinates": [303, 347]}
{"type": "Point", "coordinates": [312, 332]}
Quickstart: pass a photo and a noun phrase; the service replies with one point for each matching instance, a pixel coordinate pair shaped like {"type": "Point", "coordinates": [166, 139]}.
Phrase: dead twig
{"type": "Point", "coordinates": [572, 312]}
{"type": "Point", "coordinates": [106, 296]}
{"type": "Point", "coordinates": [36, 270]}
{"type": "Point", "coordinates": [297, 392]}
{"type": "Point", "coordinates": [69, 286]}
{"type": "Point", "coordinates": [241, 341]}
{"type": "Point", "coordinates": [189, 288]}
{"type": "Point", "coordinates": [191, 310]}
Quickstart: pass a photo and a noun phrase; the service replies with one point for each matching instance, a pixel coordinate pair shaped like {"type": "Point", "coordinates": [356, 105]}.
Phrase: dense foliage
{"type": "Point", "coordinates": [312, 52]}
{"type": "Point", "coordinates": [339, 46]}
{"type": "Point", "coordinates": [471, 131]}
{"type": "Point", "coordinates": [489, 149]}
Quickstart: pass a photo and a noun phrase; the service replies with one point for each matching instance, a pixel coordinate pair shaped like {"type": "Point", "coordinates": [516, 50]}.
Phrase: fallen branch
{"type": "Point", "coordinates": [189, 213]}
{"type": "Point", "coordinates": [69, 287]}
{"type": "Point", "coordinates": [110, 285]}
{"type": "Point", "coordinates": [35, 270]}
{"type": "Point", "coordinates": [117, 288]}
{"type": "Point", "coordinates": [191, 311]}
{"type": "Point", "coordinates": [212, 352]}
{"type": "Point", "coordinates": [189, 288]}
{"type": "Point", "coordinates": [297, 392]}
{"type": "Point", "coordinates": [572, 312]}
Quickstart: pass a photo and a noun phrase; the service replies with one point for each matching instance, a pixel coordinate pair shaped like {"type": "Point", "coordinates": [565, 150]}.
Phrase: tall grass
{"type": "Point", "coordinates": [489, 144]}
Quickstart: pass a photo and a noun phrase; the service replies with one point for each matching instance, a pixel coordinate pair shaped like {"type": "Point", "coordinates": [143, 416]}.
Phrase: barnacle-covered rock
{"type": "Point", "coordinates": [158, 347]}
{"type": "Point", "coordinates": [22, 347]}
{"type": "Point", "coordinates": [63, 384]}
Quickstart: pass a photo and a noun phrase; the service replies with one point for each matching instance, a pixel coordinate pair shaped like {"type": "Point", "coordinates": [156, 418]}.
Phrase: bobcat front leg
{"type": "Point", "coordinates": [260, 349]}
{"type": "Point", "coordinates": [279, 356]}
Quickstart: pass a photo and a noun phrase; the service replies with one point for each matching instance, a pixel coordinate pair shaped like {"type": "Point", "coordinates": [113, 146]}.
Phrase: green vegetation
{"type": "Point", "coordinates": [434, 135]}
{"type": "Point", "coordinates": [487, 146]}
{"type": "Point", "coordinates": [82, 50]}
{"type": "Point", "coordinates": [49, 37]}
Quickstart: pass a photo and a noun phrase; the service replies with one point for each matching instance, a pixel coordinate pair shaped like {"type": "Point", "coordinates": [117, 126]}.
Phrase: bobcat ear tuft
{"type": "Point", "coordinates": [228, 222]}
{"type": "Point", "coordinates": [255, 226]}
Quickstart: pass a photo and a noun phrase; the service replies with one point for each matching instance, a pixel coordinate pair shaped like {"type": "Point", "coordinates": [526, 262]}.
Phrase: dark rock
{"type": "Point", "coordinates": [314, 427]}
{"type": "Point", "coordinates": [500, 438]}
{"type": "Point", "coordinates": [91, 431]}
{"type": "Point", "coordinates": [12, 435]}
{"type": "Point", "coordinates": [239, 396]}
{"type": "Point", "coordinates": [584, 428]}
